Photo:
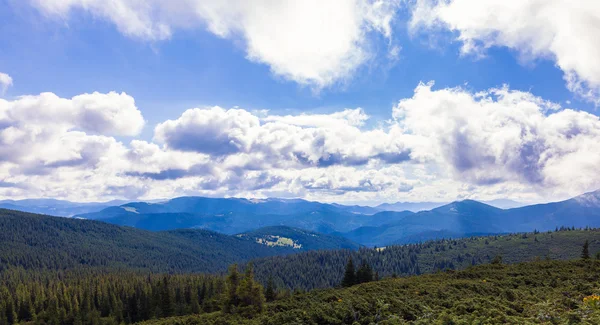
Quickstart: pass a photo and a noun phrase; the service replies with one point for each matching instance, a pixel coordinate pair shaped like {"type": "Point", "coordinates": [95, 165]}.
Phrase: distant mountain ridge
{"type": "Point", "coordinates": [364, 225]}
{"type": "Point", "coordinates": [235, 215]}
{"type": "Point", "coordinates": [54, 207]}
{"type": "Point", "coordinates": [469, 217]}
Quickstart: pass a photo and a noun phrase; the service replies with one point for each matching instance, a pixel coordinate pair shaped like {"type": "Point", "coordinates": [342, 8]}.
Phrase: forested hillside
{"type": "Point", "coordinates": [92, 296]}
{"type": "Point", "coordinates": [322, 269]}
{"type": "Point", "coordinates": [544, 292]}
{"type": "Point", "coordinates": [42, 242]}
{"type": "Point", "coordinates": [69, 271]}
{"type": "Point", "coordinates": [298, 239]}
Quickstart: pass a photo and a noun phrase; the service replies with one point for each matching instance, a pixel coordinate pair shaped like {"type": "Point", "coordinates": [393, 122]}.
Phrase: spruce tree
{"type": "Point", "coordinates": [364, 274]}
{"type": "Point", "coordinates": [250, 293]}
{"type": "Point", "coordinates": [166, 300]}
{"type": "Point", "coordinates": [231, 299]}
{"type": "Point", "coordinates": [585, 252]}
{"type": "Point", "coordinates": [270, 290]}
{"type": "Point", "coordinates": [349, 275]}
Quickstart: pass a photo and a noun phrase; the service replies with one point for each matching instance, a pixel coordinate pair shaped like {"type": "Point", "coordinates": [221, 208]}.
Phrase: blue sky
{"type": "Point", "coordinates": [81, 50]}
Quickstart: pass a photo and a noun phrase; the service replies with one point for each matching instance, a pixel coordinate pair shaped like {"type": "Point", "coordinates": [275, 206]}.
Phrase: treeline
{"type": "Point", "coordinates": [325, 269]}
{"type": "Point", "coordinates": [92, 297]}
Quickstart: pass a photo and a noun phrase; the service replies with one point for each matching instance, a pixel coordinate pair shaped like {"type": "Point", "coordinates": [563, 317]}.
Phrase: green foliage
{"type": "Point", "coordinates": [364, 274]}
{"type": "Point", "coordinates": [270, 290]}
{"type": "Point", "coordinates": [90, 296]}
{"type": "Point", "coordinates": [40, 242]}
{"type": "Point", "coordinates": [243, 296]}
{"type": "Point", "coordinates": [543, 292]}
{"type": "Point", "coordinates": [497, 260]}
{"type": "Point", "coordinates": [325, 269]}
{"type": "Point", "coordinates": [585, 252]}
{"type": "Point", "coordinates": [349, 274]}
{"type": "Point", "coordinates": [307, 240]}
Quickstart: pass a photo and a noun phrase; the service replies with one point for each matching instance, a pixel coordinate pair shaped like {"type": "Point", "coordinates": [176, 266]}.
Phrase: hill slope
{"type": "Point", "coordinates": [457, 219]}
{"type": "Point", "coordinates": [529, 293]}
{"type": "Point", "coordinates": [42, 242]}
{"type": "Point", "coordinates": [323, 269]}
{"type": "Point", "coordinates": [298, 239]}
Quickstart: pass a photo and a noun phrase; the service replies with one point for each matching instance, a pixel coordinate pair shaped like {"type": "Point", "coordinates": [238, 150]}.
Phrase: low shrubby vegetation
{"type": "Point", "coordinates": [542, 292]}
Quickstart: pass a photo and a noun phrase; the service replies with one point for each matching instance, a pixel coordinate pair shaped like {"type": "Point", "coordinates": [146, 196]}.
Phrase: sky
{"type": "Point", "coordinates": [357, 101]}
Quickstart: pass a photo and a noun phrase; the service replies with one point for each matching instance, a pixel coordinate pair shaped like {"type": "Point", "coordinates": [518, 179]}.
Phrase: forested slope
{"type": "Point", "coordinates": [42, 242]}
{"type": "Point", "coordinates": [322, 269]}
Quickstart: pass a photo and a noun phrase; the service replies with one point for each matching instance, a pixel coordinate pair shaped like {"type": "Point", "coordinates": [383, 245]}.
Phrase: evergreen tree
{"type": "Point", "coordinates": [364, 273]}
{"type": "Point", "coordinates": [231, 299]}
{"type": "Point", "coordinates": [166, 301]}
{"type": "Point", "coordinates": [497, 259]}
{"type": "Point", "coordinates": [349, 275]}
{"type": "Point", "coordinates": [585, 252]}
{"type": "Point", "coordinates": [270, 290]}
{"type": "Point", "coordinates": [250, 293]}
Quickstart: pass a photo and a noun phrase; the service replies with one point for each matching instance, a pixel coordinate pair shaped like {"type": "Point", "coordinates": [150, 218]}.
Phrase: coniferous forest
{"type": "Point", "coordinates": [104, 274]}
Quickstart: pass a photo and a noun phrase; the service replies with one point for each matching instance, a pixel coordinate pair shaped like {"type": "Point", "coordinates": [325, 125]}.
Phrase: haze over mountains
{"type": "Point", "coordinates": [371, 226]}
{"type": "Point", "coordinates": [365, 225]}
{"type": "Point", "coordinates": [54, 207]}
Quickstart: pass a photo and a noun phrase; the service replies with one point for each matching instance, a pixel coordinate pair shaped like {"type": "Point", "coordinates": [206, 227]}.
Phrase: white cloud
{"type": "Point", "coordinates": [499, 136]}
{"type": "Point", "coordinates": [110, 114]}
{"type": "Point", "coordinates": [246, 140]}
{"type": "Point", "coordinates": [560, 30]}
{"type": "Point", "coordinates": [440, 145]}
{"type": "Point", "coordinates": [5, 82]}
{"type": "Point", "coordinates": [312, 42]}
{"type": "Point", "coordinates": [52, 146]}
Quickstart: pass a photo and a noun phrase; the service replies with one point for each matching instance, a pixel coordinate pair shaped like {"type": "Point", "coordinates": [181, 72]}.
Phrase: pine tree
{"type": "Point", "coordinates": [231, 299]}
{"type": "Point", "coordinates": [11, 315]}
{"type": "Point", "coordinates": [270, 290]}
{"type": "Point", "coordinates": [166, 301]}
{"type": "Point", "coordinates": [349, 275]}
{"type": "Point", "coordinates": [250, 293]}
{"type": "Point", "coordinates": [585, 252]}
{"type": "Point", "coordinates": [364, 274]}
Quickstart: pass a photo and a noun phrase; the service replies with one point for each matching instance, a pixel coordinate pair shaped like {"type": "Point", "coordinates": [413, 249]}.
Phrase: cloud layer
{"type": "Point", "coordinates": [439, 144]}
{"type": "Point", "coordinates": [499, 136]}
{"type": "Point", "coordinates": [560, 30]}
{"type": "Point", "coordinates": [314, 43]}
{"type": "Point", "coordinates": [5, 82]}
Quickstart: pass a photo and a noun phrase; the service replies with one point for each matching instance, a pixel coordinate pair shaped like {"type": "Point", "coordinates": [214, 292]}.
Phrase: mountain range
{"type": "Point", "coordinates": [360, 224]}
{"type": "Point", "coordinates": [234, 215]}
{"type": "Point", "coordinates": [468, 218]}
{"type": "Point", "coordinates": [54, 207]}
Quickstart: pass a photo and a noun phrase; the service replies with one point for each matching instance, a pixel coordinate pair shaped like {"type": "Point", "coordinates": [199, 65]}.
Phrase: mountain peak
{"type": "Point", "coordinates": [590, 199]}
{"type": "Point", "coordinates": [467, 205]}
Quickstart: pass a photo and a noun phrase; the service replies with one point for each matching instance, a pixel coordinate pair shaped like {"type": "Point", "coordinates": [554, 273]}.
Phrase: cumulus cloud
{"type": "Point", "coordinates": [5, 82]}
{"type": "Point", "coordinates": [312, 42]}
{"type": "Point", "coordinates": [53, 142]}
{"type": "Point", "coordinates": [242, 139]}
{"type": "Point", "coordinates": [440, 144]}
{"type": "Point", "coordinates": [109, 114]}
{"type": "Point", "coordinates": [559, 30]}
{"type": "Point", "coordinates": [501, 135]}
